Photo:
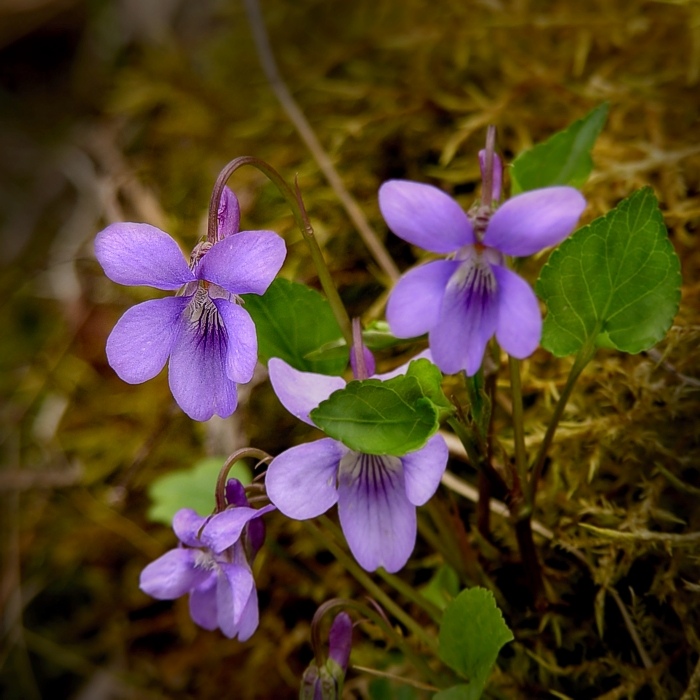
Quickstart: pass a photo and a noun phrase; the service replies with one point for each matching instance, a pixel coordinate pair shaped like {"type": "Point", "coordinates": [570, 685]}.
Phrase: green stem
{"type": "Point", "coordinates": [476, 452]}
{"type": "Point", "coordinates": [411, 594]}
{"type": "Point", "coordinates": [365, 580]}
{"type": "Point", "coordinates": [584, 356]}
{"type": "Point", "coordinates": [296, 204]}
{"type": "Point", "coordinates": [518, 423]}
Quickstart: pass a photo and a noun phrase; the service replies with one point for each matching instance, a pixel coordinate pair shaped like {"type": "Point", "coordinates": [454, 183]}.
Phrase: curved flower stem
{"type": "Point", "coordinates": [269, 65]}
{"type": "Point", "coordinates": [585, 355]}
{"type": "Point", "coordinates": [244, 452]}
{"type": "Point", "coordinates": [365, 580]}
{"type": "Point", "coordinates": [296, 204]}
{"type": "Point", "coordinates": [369, 612]}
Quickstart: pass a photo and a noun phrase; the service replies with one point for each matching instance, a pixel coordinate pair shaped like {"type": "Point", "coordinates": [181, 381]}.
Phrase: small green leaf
{"type": "Point", "coordinates": [614, 283]}
{"type": "Point", "coordinates": [430, 379]}
{"type": "Point", "coordinates": [190, 488]}
{"type": "Point", "coordinates": [471, 635]}
{"type": "Point", "coordinates": [442, 587]}
{"type": "Point", "coordinates": [293, 321]}
{"type": "Point", "coordinates": [563, 159]}
{"type": "Point", "coordinates": [381, 418]}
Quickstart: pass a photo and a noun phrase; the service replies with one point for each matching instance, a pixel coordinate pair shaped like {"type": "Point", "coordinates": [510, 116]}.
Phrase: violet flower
{"type": "Point", "coordinates": [464, 300]}
{"type": "Point", "coordinates": [212, 564]}
{"type": "Point", "coordinates": [208, 336]}
{"type": "Point", "coordinates": [376, 495]}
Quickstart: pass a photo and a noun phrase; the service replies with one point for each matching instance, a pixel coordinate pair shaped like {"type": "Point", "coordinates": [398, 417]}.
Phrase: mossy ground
{"type": "Point", "coordinates": [111, 112]}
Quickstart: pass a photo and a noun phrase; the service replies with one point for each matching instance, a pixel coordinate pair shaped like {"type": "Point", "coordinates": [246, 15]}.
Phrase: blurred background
{"type": "Point", "coordinates": [122, 110]}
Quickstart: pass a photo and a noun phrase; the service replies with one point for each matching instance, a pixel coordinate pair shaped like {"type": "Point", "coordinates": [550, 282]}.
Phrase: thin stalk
{"type": "Point", "coordinates": [584, 356]}
{"type": "Point", "coordinates": [478, 460]}
{"type": "Point", "coordinates": [296, 204]}
{"type": "Point", "coordinates": [518, 424]}
{"type": "Point", "coordinates": [411, 594]}
{"type": "Point", "coordinates": [365, 580]}
{"type": "Point", "coordinates": [296, 116]}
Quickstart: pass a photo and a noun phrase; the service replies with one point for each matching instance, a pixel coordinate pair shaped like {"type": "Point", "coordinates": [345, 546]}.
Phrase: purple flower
{"type": "Point", "coordinates": [465, 299]}
{"type": "Point", "coordinates": [376, 495]}
{"type": "Point", "coordinates": [209, 338]}
{"type": "Point", "coordinates": [212, 564]}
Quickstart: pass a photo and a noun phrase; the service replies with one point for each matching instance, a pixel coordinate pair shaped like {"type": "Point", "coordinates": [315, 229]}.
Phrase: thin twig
{"type": "Point", "coordinates": [296, 116]}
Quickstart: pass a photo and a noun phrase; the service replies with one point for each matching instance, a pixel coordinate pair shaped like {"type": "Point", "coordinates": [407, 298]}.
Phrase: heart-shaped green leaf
{"type": "Point", "coordinates": [471, 635]}
{"type": "Point", "coordinates": [615, 282]}
{"type": "Point", "coordinates": [381, 418]}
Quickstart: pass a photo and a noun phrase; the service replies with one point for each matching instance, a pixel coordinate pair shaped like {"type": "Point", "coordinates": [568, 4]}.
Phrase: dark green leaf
{"type": "Point", "coordinates": [471, 635]}
{"type": "Point", "coordinates": [615, 282]}
{"type": "Point", "coordinates": [375, 417]}
{"type": "Point", "coordinates": [563, 159]}
{"type": "Point", "coordinates": [293, 321]}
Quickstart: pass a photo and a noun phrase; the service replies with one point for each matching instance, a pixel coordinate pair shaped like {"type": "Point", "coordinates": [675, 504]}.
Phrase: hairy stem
{"type": "Point", "coordinates": [296, 204]}
{"type": "Point", "coordinates": [584, 356]}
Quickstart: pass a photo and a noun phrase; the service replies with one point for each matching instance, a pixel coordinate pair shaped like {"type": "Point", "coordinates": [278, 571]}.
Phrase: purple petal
{"type": "Point", "coordinates": [248, 622]}
{"type": "Point", "coordinates": [534, 220]}
{"type": "Point", "coordinates": [467, 318]}
{"type": "Point", "coordinates": [229, 215]}
{"type": "Point", "coordinates": [424, 468]}
{"type": "Point", "coordinates": [235, 493]}
{"type": "Point", "coordinates": [198, 362]}
{"type": "Point", "coordinates": [414, 303]}
{"type": "Point", "coordinates": [340, 640]}
{"type": "Point", "coordinates": [245, 263]}
{"type": "Point", "coordinates": [424, 216]}
{"type": "Point", "coordinates": [242, 353]}
{"type": "Point", "coordinates": [187, 525]}
{"type": "Point", "coordinates": [203, 603]}
{"type": "Point", "coordinates": [172, 575]}
{"type": "Point", "coordinates": [140, 342]}
{"type": "Point", "coordinates": [301, 481]}
{"type": "Point", "coordinates": [377, 518]}
{"type": "Point", "coordinates": [138, 254]}
{"type": "Point", "coordinates": [225, 528]}
{"type": "Point", "coordinates": [519, 324]}
{"type": "Point", "coordinates": [300, 392]}
{"type": "Point", "coordinates": [233, 588]}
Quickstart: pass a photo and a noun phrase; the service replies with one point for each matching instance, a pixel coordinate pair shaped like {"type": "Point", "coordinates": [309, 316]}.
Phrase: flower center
{"type": "Point", "coordinates": [374, 475]}
{"type": "Point", "coordinates": [480, 215]}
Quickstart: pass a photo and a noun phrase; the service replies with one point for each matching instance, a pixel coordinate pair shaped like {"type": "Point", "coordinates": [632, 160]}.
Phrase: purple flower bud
{"type": "Point", "coordinates": [361, 359]}
{"type": "Point", "coordinates": [326, 682]}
